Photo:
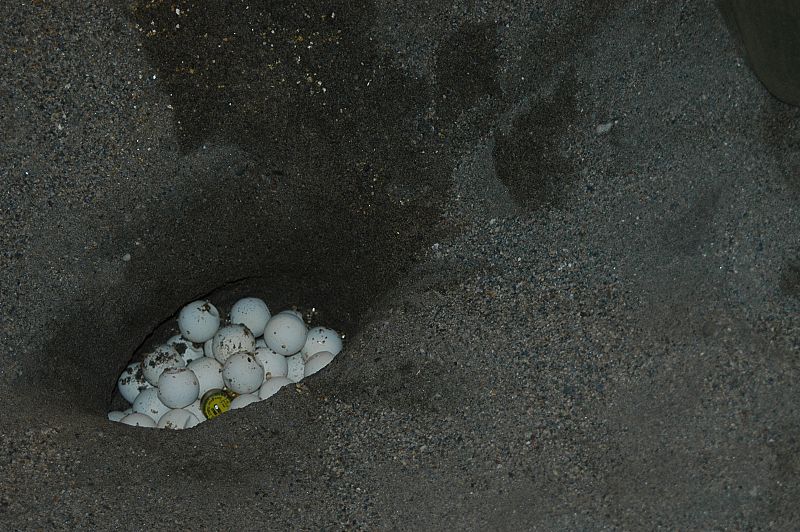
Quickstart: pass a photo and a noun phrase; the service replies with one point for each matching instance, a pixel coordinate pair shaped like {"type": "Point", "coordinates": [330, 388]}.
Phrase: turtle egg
{"type": "Point", "coordinates": [296, 313]}
{"type": "Point", "coordinates": [196, 409]}
{"type": "Point", "coordinates": [251, 312]}
{"type": "Point", "coordinates": [260, 343]}
{"type": "Point", "coordinates": [178, 387]}
{"type": "Point", "coordinates": [243, 373]}
{"type": "Point", "coordinates": [186, 349]}
{"type": "Point", "coordinates": [132, 382]}
{"type": "Point", "coordinates": [149, 404]}
{"type": "Point", "coordinates": [241, 401]}
{"type": "Point", "coordinates": [178, 419]}
{"type": "Point", "coordinates": [155, 362]}
{"type": "Point", "coordinates": [274, 364]}
{"type": "Point", "coordinates": [317, 361]}
{"type": "Point", "coordinates": [208, 372]}
{"type": "Point", "coordinates": [285, 334]}
{"type": "Point", "coordinates": [233, 339]}
{"type": "Point", "coordinates": [296, 370]}
{"type": "Point", "coordinates": [198, 321]}
{"type": "Point", "coordinates": [208, 348]}
{"type": "Point", "coordinates": [321, 339]}
{"type": "Point", "coordinates": [138, 420]}
{"type": "Point", "coordinates": [116, 415]}
{"type": "Point", "coordinates": [271, 386]}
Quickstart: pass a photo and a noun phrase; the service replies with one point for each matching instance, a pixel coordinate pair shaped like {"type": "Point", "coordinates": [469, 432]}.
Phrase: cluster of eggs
{"type": "Point", "coordinates": [211, 367]}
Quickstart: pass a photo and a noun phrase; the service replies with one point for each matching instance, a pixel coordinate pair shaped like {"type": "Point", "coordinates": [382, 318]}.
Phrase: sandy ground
{"type": "Point", "coordinates": [562, 243]}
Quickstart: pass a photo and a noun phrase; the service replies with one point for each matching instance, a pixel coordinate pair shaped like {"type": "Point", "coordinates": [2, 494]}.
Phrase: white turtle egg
{"type": "Point", "coordinates": [138, 420]}
{"type": "Point", "coordinates": [260, 342]}
{"type": "Point", "coordinates": [196, 408]}
{"type": "Point", "coordinates": [149, 404]}
{"type": "Point", "coordinates": [132, 382]}
{"type": "Point", "coordinates": [186, 349]}
{"type": "Point", "coordinates": [241, 401]}
{"type": "Point", "coordinates": [116, 415]}
{"type": "Point", "coordinates": [209, 374]}
{"type": "Point", "coordinates": [285, 334]}
{"type": "Point", "coordinates": [321, 339]}
{"type": "Point", "coordinates": [243, 373]}
{"type": "Point", "coordinates": [208, 347]}
{"type": "Point", "coordinates": [296, 370]}
{"type": "Point", "coordinates": [274, 364]}
{"type": "Point", "coordinates": [271, 386]}
{"type": "Point", "coordinates": [296, 313]}
{"type": "Point", "coordinates": [233, 339]}
{"type": "Point", "coordinates": [178, 419]}
{"type": "Point", "coordinates": [178, 387]}
{"type": "Point", "coordinates": [251, 312]}
{"type": "Point", "coordinates": [317, 361]}
{"type": "Point", "coordinates": [198, 321]}
{"type": "Point", "coordinates": [161, 358]}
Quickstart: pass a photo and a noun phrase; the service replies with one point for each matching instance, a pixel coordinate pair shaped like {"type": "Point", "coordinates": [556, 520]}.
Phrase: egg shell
{"type": "Point", "coordinates": [321, 339]}
{"type": "Point", "coordinates": [161, 358]}
{"type": "Point", "coordinates": [208, 348]}
{"type": "Point", "coordinates": [138, 420]}
{"type": "Point", "coordinates": [251, 312]}
{"type": "Point", "coordinates": [271, 386]}
{"type": "Point", "coordinates": [178, 419]}
{"type": "Point", "coordinates": [274, 364]}
{"type": "Point", "coordinates": [116, 415]}
{"type": "Point", "coordinates": [233, 339]}
{"type": "Point", "coordinates": [178, 387]}
{"type": "Point", "coordinates": [317, 361]}
{"type": "Point", "coordinates": [209, 374]}
{"type": "Point", "coordinates": [187, 350]}
{"type": "Point", "coordinates": [241, 401]}
{"type": "Point", "coordinates": [260, 342]}
{"type": "Point", "coordinates": [285, 334]}
{"type": "Point", "coordinates": [132, 382]}
{"type": "Point", "coordinates": [198, 321]}
{"type": "Point", "coordinates": [296, 370]}
{"type": "Point", "coordinates": [243, 373]}
{"type": "Point", "coordinates": [149, 404]}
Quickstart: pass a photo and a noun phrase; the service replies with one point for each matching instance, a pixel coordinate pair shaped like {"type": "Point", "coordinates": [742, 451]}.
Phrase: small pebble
{"type": "Point", "coordinates": [602, 129]}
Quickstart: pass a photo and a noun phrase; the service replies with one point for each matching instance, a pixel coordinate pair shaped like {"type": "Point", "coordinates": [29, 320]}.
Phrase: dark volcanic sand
{"type": "Point", "coordinates": [549, 325]}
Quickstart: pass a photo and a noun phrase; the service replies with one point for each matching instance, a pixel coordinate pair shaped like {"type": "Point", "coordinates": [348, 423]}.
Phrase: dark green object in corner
{"type": "Point", "coordinates": [769, 31]}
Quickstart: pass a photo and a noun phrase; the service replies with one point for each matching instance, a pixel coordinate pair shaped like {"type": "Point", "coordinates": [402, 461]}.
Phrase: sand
{"type": "Point", "coordinates": [562, 242]}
